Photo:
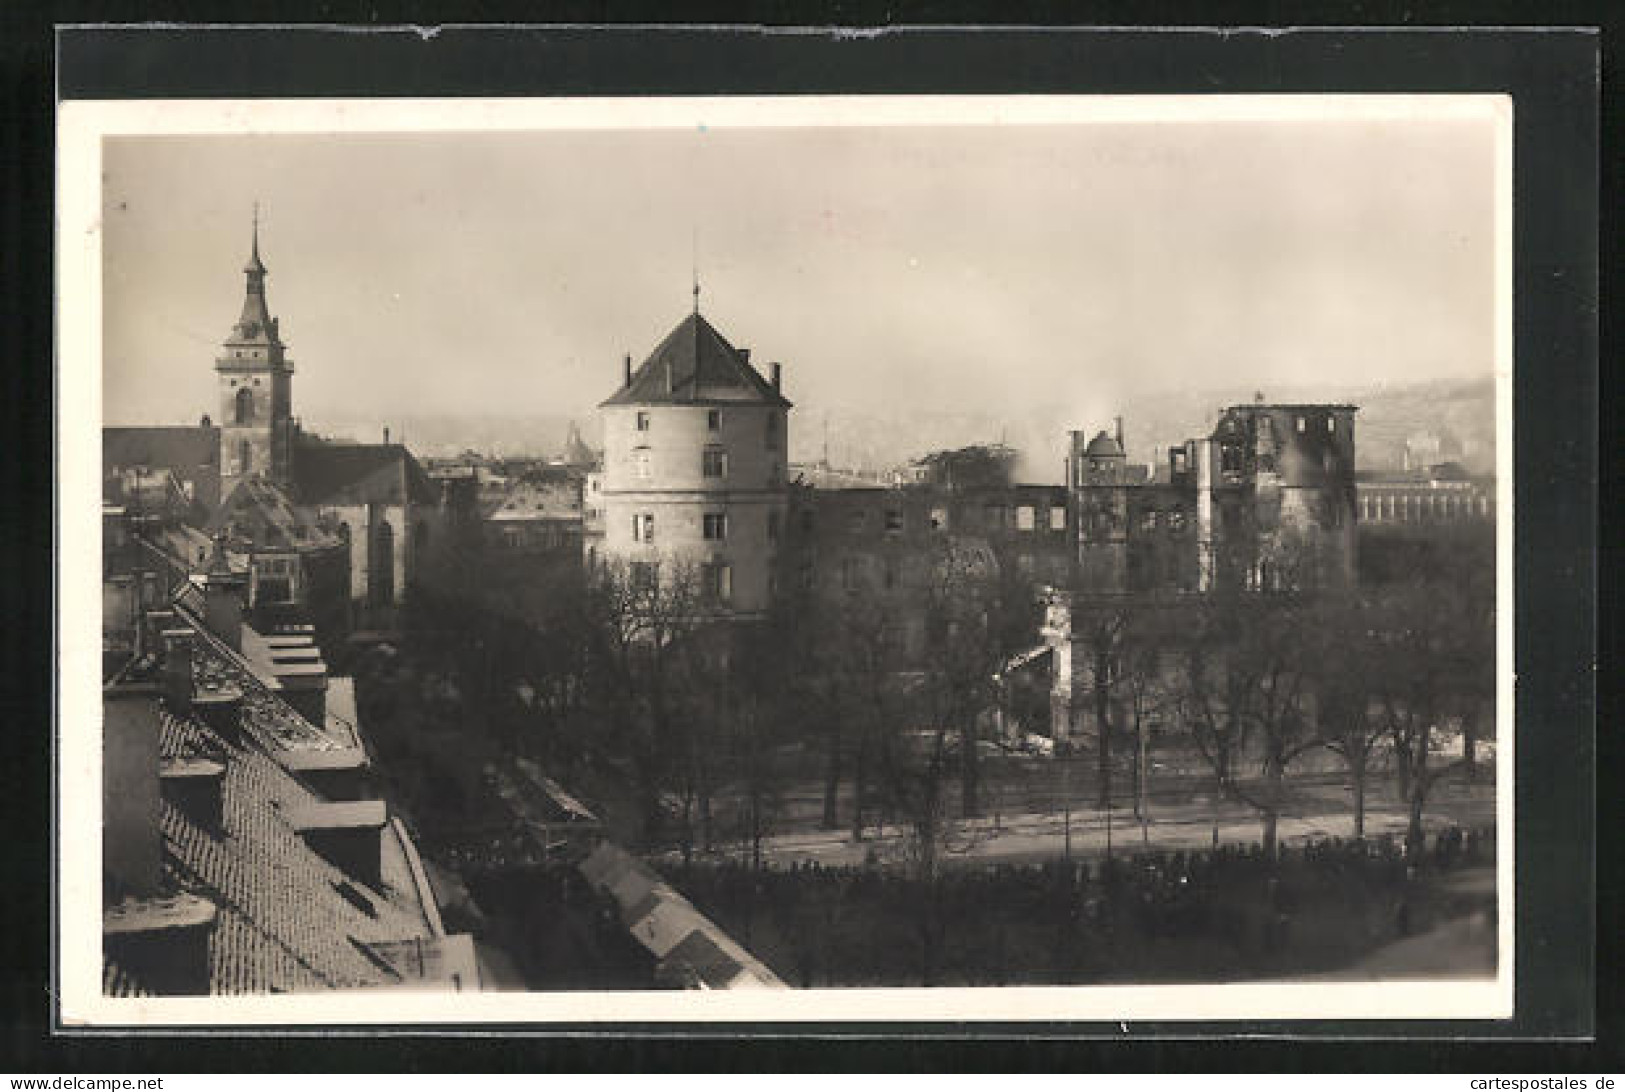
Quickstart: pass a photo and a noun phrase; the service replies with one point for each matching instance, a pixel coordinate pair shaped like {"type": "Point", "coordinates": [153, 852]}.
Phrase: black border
{"type": "Point", "coordinates": [1552, 76]}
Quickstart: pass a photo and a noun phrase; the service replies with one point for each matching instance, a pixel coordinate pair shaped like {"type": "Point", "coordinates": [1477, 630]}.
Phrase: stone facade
{"type": "Point", "coordinates": [694, 475]}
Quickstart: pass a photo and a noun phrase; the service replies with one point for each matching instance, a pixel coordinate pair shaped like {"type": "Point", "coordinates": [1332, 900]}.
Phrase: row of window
{"type": "Point", "coordinates": [716, 579]}
{"type": "Point", "coordinates": [713, 526]}
{"type": "Point", "coordinates": [713, 464]}
{"type": "Point", "coordinates": [713, 423]}
{"type": "Point", "coordinates": [996, 516]}
{"type": "Point", "coordinates": [1173, 521]}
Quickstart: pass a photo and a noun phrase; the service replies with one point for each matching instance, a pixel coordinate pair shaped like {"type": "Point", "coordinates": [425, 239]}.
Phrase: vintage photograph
{"type": "Point", "coordinates": [826, 547]}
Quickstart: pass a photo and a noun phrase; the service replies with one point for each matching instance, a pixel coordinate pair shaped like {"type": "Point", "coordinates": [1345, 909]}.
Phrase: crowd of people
{"type": "Point", "coordinates": [1211, 914]}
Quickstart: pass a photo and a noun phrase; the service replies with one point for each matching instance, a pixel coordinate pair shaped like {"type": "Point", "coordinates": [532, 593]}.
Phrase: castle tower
{"type": "Point", "coordinates": [256, 388]}
{"type": "Point", "coordinates": [694, 472]}
{"type": "Point", "coordinates": [1100, 487]}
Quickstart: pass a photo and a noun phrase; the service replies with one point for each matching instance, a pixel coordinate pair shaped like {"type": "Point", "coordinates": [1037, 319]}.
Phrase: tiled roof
{"type": "Point", "coordinates": [269, 519]}
{"type": "Point", "coordinates": [341, 474]}
{"type": "Point", "coordinates": [117, 982]}
{"type": "Point", "coordinates": [284, 920]}
{"type": "Point", "coordinates": [539, 501]}
{"type": "Point", "coordinates": [695, 364]}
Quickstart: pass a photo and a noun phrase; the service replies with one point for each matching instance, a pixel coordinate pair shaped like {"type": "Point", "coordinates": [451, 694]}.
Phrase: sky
{"type": "Point", "coordinates": [951, 268]}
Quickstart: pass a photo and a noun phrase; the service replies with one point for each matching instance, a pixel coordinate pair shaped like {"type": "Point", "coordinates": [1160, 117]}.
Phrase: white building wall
{"type": "Point", "coordinates": [677, 493]}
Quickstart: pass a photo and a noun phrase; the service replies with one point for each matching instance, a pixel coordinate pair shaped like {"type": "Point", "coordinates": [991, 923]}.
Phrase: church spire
{"type": "Point", "coordinates": [255, 268]}
{"type": "Point", "coordinates": [255, 324]}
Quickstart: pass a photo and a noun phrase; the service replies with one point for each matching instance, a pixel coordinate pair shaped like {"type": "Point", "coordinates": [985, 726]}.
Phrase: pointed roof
{"type": "Point", "coordinates": [255, 326]}
{"type": "Point", "coordinates": [254, 264]}
{"type": "Point", "coordinates": [696, 364]}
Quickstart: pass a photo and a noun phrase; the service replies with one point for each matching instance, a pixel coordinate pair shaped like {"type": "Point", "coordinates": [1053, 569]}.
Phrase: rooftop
{"type": "Point", "coordinates": [695, 363]}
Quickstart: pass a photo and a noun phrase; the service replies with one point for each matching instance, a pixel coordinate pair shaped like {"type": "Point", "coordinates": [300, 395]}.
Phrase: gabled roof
{"type": "Point", "coordinates": [330, 473]}
{"type": "Point", "coordinates": [695, 363]}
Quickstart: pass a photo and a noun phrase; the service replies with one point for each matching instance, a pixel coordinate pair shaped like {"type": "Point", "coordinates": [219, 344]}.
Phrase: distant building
{"type": "Point", "coordinates": [1434, 495]}
{"type": "Point", "coordinates": [694, 470]}
{"type": "Point", "coordinates": [373, 499]}
{"type": "Point", "coordinates": [187, 455]}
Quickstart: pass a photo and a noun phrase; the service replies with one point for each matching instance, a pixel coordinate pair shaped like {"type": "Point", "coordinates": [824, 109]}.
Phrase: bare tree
{"type": "Point", "coordinates": [1437, 667]}
{"type": "Point", "coordinates": [1103, 622]}
{"type": "Point", "coordinates": [635, 620]}
{"type": "Point", "coordinates": [1244, 691]}
{"type": "Point", "coordinates": [1349, 661]}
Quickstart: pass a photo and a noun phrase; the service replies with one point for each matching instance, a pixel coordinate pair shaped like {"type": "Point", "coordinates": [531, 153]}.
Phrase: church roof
{"type": "Point", "coordinates": [186, 447]}
{"type": "Point", "coordinates": [330, 473]}
{"type": "Point", "coordinates": [695, 363]}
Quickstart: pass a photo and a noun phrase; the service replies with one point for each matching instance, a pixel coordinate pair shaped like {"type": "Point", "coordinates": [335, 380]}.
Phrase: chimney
{"type": "Point", "coordinates": [152, 592]}
{"type": "Point", "coordinates": [1119, 421]}
{"type": "Point", "coordinates": [194, 787]}
{"type": "Point", "coordinates": [132, 844]}
{"type": "Point", "coordinates": [177, 674]}
{"type": "Point", "coordinates": [223, 597]}
{"type": "Point", "coordinates": [347, 834]}
{"type": "Point", "coordinates": [301, 674]}
{"type": "Point", "coordinates": [162, 944]}
{"type": "Point", "coordinates": [626, 374]}
{"type": "Point", "coordinates": [221, 709]}
{"type": "Point", "coordinates": [778, 375]}
{"type": "Point", "coordinates": [339, 774]}
{"type": "Point", "coordinates": [386, 434]}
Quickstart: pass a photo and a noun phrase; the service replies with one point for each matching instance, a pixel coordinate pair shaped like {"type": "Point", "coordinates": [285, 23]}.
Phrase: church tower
{"type": "Point", "coordinates": [256, 389]}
